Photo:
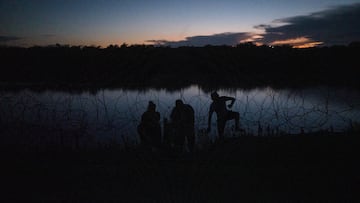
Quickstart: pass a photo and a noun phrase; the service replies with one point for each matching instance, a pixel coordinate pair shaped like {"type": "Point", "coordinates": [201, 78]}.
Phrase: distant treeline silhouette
{"type": "Point", "coordinates": [143, 66]}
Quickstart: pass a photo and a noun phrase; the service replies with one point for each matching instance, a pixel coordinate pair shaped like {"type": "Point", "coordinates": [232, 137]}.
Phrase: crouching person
{"type": "Point", "coordinates": [149, 128]}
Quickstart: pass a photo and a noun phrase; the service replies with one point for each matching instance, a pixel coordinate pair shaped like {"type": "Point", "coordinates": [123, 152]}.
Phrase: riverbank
{"type": "Point", "coordinates": [211, 67]}
{"type": "Point", "coordinates": [297, 168]}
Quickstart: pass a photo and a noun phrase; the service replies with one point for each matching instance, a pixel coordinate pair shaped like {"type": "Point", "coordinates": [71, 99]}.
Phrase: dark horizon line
{"type": "Point", "coordinates": [126, 45]}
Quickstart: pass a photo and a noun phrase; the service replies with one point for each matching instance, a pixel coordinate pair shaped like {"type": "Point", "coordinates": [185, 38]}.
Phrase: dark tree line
{"type": "Point", "coordinates": [138, 66]}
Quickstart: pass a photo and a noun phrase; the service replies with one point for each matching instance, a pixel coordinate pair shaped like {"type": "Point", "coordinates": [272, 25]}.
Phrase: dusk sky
{"type": "Point", "coordinates": [300, 23]}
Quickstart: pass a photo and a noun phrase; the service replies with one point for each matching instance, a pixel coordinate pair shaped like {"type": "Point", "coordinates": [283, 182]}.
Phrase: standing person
{"type": "Point", "coordinates": [183, 122]}
{"type": "Point", "coordinates": [223, 114]}
{"type": "Point", "coordinates": [149, 128]}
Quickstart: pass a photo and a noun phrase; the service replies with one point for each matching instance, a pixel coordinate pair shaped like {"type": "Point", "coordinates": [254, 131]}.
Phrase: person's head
{"type": "Point", "coordinates": [179, 103]}
{"type": "Point", "coordinates": [214, 95]}
{"type": "Point", "coordinates": [151, 106]}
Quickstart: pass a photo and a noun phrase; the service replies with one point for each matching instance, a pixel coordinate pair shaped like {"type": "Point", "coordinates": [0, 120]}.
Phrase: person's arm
{"type": "Point", "coordinates": [157, 116]}
{"type": "Point", "coordinates": [232, 99]}
{"type": "Point", "coordinates": [172, 115]}
{"type": "Point", "coordinates": [211, 111]}
{"type": "Point", "coordinates": [192, 113]}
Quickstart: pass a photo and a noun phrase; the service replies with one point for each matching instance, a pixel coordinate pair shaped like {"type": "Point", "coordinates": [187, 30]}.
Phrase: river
{"type": "Point", "coordinates": [111, 115]}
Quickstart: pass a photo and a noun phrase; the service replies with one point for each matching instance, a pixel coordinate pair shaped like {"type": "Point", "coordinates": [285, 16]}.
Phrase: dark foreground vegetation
{"type": "Point", "coordinates": [298, 168]}
{"type": "Point", "coordinates": [142, 66]}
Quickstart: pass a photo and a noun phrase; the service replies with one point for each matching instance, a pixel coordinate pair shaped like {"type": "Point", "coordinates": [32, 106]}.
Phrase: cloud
{"type": "Point", "coordinates": [335, 26]}
{"type": "Point", "coordinates": [5, 39]}
{"type": "Point", "coordinates": [228, 38]}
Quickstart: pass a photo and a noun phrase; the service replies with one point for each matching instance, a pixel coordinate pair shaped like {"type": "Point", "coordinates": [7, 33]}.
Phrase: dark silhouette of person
{"type": "Point", "coordinates": [183, 119]}
{"type": "Point", "coordinates": [223, 114]}
{"type": "Point", "coordinates": [149, 128]}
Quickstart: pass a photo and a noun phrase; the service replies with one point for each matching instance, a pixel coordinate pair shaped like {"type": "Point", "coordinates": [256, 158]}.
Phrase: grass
{"type": "Point", "coordinates": [302, 168]}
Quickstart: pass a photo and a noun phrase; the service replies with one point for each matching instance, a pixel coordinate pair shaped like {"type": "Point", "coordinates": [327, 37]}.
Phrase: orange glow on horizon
{"type": "Point", "coordinates": [299, 42]}
{"type": "Point", "coordinates": [308, 45]}
{"type": "Point", "coordinates": [254, 38]}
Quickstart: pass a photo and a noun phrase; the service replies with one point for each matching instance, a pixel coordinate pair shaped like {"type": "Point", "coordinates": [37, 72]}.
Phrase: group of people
{"type": "Point", "coordinates": [181, 126]}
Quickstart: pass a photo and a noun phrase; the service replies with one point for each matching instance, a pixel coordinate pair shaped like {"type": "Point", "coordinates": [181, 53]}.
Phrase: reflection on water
{"type": "Point", "coordinates": [112, 115]}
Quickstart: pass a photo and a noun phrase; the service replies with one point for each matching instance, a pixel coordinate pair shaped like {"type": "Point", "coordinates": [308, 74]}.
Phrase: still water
{"type": "Point", "coordinates": [112, 115]}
